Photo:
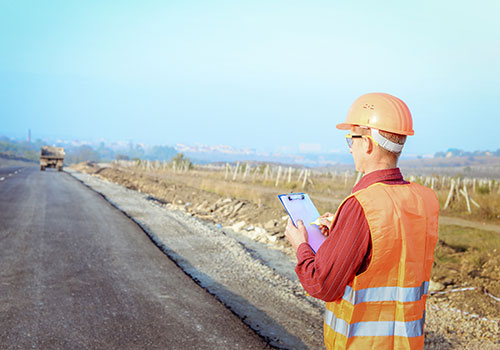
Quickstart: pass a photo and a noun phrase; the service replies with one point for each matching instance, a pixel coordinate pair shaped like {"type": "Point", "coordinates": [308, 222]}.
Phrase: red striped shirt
{"type": "Point", "coordinates": [347, 250]}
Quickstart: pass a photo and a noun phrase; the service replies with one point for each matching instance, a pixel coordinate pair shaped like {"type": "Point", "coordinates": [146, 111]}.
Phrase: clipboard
{"type": "Point", "coordinates": [300, 207]}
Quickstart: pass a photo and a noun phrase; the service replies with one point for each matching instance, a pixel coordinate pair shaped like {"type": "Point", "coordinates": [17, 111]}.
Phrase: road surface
{"type": "Point", "coordinates": [75, 273]}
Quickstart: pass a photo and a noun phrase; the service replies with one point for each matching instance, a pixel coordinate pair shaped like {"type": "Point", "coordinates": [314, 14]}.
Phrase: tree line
{"type": "Point", "coordinates": [81, 153]}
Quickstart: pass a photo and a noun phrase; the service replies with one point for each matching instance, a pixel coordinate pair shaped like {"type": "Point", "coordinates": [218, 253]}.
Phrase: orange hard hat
{"type": "Point", "coordinates": [380, 111]}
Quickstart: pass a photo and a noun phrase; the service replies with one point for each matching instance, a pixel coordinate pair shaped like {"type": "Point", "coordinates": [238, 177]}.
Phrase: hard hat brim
{"type": "Point", "coordinates": [344, 126]}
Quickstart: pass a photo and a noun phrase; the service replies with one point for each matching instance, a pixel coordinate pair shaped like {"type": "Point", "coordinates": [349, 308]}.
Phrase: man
{"type": "Point", "coordinates": [373, 270]}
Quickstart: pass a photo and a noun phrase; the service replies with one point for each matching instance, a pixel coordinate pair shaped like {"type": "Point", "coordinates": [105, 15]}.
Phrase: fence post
{"type": "Point", "coordinates": [450, 194]}
{"type": "Point", "coordinates": [464, 193]}
{"type": "Point", "coordinates": [236, 170]}
{"type": "Point", "coordinates": [305, 178]}
{"type": "Point", "coordinates": [278, 177]}
{"type": "Point", "coordinates": [300, 175]}
{"type": "Point", "coordinates": [247, 170]}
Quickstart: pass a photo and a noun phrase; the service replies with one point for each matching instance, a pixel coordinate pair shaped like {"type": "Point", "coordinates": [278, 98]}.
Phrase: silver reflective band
{"type": "Point", "coordinates": [385, 143]}
{"type": "Point", "coordinates": [375, 329]}
{"type": "Point", "coordinates": [337, 324]}
{"type": "Point", "coordinates": [401, 294]}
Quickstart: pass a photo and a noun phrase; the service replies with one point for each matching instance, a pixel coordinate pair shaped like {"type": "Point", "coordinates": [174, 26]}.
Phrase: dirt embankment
{"type": "Point", "coordinates": [463, 318]}
{"type": "Point", "coordinates": [261, 223]}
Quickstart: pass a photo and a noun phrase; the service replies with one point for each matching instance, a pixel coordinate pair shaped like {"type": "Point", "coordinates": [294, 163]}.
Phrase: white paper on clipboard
{"type": "Point", "coordinates": [300, 207]}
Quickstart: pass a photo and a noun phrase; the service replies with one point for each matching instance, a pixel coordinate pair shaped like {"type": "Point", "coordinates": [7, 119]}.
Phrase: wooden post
{"type": "Point", "coordinates": [457, 188]}
{"type": "Point", "coordinates": [309, 180]}
{"type": "Point", "coordinates": [278, 177]}
{"type": "Point", "coordinates": [464, 193]}
{"type": "Point", "coordinates": [450, 194]}
{"type": "Point", "coordinates": [236, 171]}
{"type": "Point", "coordinates": [247, 170]}
{"type": "Point", "coordinates": [289, 174]}
{"type": "Point", "coordinates": [305, 178]}
{"type": "Point", "coordinates": [300, 175]}
{"type": "Point", "coordinates": [474, 202]}
{"type": "Point", "coordinates": [426, 182]}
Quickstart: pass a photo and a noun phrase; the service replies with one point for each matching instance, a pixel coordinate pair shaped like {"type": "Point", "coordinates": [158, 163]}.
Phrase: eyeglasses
{"type": "Point", "coordinates": [349, 138]}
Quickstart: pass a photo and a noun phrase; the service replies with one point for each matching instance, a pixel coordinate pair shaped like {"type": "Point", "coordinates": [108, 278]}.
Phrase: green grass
{"type": "Point", "coordinates": [465, 246]}
{"type": "Point", "coordinates": [469, 239]}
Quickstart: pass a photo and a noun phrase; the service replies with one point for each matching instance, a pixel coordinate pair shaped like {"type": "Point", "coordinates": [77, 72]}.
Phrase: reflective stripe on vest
{"type": "Point", "coordinates": [373, 329]}
{"type": "Point", "coordinates": [400, 294]}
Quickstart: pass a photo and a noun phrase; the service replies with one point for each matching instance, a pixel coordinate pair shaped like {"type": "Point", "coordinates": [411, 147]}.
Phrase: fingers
{"type": "Point", "coordinates": [300, 223]}
{"type": "Point", "coordinates": [325, 230]}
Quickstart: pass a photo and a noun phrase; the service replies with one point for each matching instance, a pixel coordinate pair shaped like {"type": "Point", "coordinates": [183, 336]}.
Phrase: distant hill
{"type": "Point", "coordinates": [468, 166]}
{"type": "Point", "coordinates": [455, 152]}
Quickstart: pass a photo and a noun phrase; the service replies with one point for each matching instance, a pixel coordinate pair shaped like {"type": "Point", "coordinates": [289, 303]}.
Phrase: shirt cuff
{"type": "Point", "coordinates": [304, 251]}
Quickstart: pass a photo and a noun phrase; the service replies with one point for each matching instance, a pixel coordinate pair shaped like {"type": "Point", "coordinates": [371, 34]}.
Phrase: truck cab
{"type": "Point", "coordinates": [51, 157]}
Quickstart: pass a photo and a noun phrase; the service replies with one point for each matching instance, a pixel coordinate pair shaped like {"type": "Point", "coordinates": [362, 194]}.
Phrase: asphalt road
{"type": "Point", "coordinates": [75, 273]}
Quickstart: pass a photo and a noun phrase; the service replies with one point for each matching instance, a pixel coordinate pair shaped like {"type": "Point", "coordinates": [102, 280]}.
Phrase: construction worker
{"type": "Point", "coordinates": [373, 270]}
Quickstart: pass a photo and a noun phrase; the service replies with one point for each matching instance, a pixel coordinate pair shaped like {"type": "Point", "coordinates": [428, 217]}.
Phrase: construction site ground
{"type": "Point", "coordinates": [239, 254]}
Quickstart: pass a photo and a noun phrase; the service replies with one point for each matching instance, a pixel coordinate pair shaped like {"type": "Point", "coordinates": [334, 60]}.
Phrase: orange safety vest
{"type": "Point", "coordinates": [384, 306]}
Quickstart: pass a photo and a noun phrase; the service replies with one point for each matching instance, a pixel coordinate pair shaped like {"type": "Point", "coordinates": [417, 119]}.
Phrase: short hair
{"type": "Point", "coordinates": [396, 138]}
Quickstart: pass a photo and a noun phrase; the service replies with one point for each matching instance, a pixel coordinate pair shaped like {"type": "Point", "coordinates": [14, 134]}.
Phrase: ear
{"type": "Point", "coordinates": [369, 146]}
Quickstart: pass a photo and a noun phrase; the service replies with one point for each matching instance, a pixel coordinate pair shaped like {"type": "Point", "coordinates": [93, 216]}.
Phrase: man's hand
{"type": "Point", "coordinates": [296, 235]}
{"type": "Point", "coordinates": [325, 224]}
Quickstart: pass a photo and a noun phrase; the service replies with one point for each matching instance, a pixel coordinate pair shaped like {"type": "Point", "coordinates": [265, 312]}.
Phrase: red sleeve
{"type": "Point", "coordinates": [324, 275]}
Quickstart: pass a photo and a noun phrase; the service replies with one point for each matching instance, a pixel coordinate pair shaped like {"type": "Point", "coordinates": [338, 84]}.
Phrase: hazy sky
{"type": "Point", "coordinates": [266, 74]}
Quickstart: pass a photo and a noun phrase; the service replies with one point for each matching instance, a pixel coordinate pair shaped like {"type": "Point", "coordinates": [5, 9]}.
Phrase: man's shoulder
{"type": "Point", "coordinates": [349, 203]}
{"type": "Point", "coordinates": [380, 192]}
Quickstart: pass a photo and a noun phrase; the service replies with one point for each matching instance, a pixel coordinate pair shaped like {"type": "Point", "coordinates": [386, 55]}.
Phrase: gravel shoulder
{"type": "Point", "coordinates": [270, 303]}
{"type": "Point", "coordinates": [255, 279]}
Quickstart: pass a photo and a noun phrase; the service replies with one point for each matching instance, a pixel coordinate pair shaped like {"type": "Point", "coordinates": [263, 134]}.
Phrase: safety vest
{"type": "Point", "coordinates": [384, 306]}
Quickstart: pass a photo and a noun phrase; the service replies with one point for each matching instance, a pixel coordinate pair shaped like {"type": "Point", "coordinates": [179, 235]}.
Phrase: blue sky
{"type": "Point", "coordinates": [269, 75]}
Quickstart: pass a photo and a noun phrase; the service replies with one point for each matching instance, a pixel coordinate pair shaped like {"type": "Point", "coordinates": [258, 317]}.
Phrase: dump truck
{"type": "Point", "coordinates": [51, 157]}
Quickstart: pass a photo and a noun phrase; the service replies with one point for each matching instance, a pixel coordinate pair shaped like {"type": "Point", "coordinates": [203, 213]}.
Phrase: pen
{"type": "Point", "coordinates": [316, 222]}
